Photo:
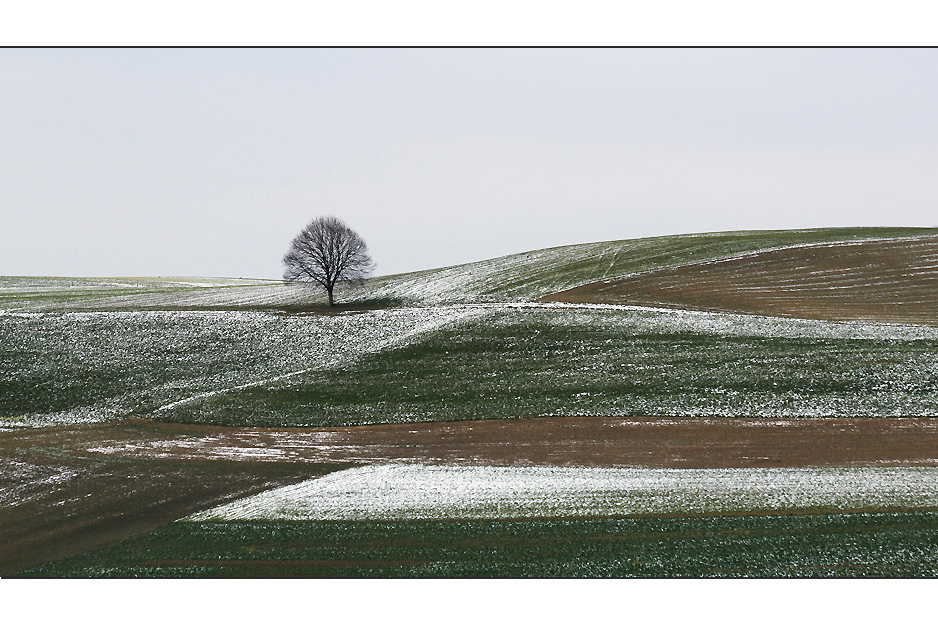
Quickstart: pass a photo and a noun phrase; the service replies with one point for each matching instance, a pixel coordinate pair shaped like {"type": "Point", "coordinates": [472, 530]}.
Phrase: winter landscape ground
{"type": "Point", "coordinates": [760, 403]}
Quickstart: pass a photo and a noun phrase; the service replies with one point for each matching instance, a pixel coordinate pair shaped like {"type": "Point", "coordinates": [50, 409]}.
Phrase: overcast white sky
{"type": "Point", "coordinates": [206, 162]}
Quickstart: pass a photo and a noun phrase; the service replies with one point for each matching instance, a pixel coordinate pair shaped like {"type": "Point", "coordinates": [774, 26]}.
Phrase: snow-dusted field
{"type": "Point", "coordinates": [72, 368]}
{"type": "Point", "coordinates": [20, 293]}
{"type": "Point", "coordinates": [66, 368]}
{"type": "Point", "coordinates": [525, 276]}
{"type": "Point", "coordinates": [886, 281]}
{"type": "Point", "coordinates": [59, 366]}
{"type": "Point", "coordinates": [23, 480]}
{"type": "Point", "coordinates": [530, 275]}
{"type": "Point", "coordinates": [443, 492]}
{"type": "Point", "coordinates": [467, 342]}
{"type": "Point", "coordinates": [641, 319]}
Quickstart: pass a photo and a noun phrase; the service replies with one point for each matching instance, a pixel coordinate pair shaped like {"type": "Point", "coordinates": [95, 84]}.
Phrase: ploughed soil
{"type": "Point", "coordinates": [892, 281]}
{"type": "Point", "coordinates": [57, 501]}
{"type": "Point", "coordinates": [64, 490]}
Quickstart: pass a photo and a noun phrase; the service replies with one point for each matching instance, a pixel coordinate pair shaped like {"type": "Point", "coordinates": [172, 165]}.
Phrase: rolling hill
{"type": "Point", "coordinates": [527, 276]}
{"type": "Point", "coordinates": [127, 404]}
{"type": "Point", "coordinates": [891, 281]}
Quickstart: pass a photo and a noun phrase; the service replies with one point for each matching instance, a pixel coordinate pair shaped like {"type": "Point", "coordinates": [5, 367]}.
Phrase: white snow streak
{"type": "Point", "coordinates": [436, 492]}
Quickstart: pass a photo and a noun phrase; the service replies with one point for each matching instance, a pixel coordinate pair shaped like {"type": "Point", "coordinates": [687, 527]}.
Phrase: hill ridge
{"type": "Point", "coordinates": [523, 276]}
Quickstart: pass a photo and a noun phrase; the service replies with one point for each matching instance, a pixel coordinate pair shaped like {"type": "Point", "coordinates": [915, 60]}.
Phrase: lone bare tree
{"type": "Point", "coordinates": [326, 252]}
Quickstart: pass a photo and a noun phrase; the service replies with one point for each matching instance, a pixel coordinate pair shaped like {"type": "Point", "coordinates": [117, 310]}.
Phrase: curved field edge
{"type": "Point", "coordinates": [266, 368]}
{"type": "Point", "coordinates": [895, 544]}
{"type": "Point", "coordinates": [67, 368]}
{"type": "Point", "coordinates": [531, 362]}
{"type": "Point", "coordinates": [453, 363]}
{"type": "Point", "coordinates": [884, 281]}
{"type": "Point", "coordinates": [525, 276]}
{"type": "Point", "coordinates": [530, 275]}
{"type": "Point", "coordinates": [55, 503]}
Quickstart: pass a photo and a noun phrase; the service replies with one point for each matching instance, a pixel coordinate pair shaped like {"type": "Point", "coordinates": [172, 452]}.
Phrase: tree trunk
{"type": "Point", "coordinates": [331, 300]}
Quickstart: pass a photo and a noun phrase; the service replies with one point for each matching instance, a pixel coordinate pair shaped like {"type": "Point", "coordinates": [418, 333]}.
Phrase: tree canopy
{"type": "Point", "coordinates": [327, 252]}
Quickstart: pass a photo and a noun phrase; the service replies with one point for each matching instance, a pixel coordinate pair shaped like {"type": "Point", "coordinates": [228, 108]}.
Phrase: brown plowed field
{"type": "Point", "coordinates": [573, 441]}
{"type": "Point", "coordinates": [892, 281]}
{"type": "Point", "coordinates": [70, 489]}
{"type": "Point", "coordinates": [59, 500]}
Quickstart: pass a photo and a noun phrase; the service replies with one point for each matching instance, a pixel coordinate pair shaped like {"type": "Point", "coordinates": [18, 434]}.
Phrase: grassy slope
{"type": "Point", "coordinates": [519, 277]}
{"type": "Point", "coordinates": [513, 363]}
{"type": "Point", "coordinates": [821, 545]}
{"type": "Point", "coordinates": [531, 275]}
{"type": "Point", "coordinates": [67, 368]}
{"type": "Point", "coordinates": [521, 364]}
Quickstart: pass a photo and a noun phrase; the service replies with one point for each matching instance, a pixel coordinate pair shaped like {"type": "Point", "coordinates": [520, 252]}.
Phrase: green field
{"type": "Point", "coordinates": [903, 544]}
{"type": "Point", "coordinates": [528, 362]}
{"type": "Point", "coordinates": [453, 363]}
{"type": "Point", "coordinates": [519, 277]}
{"type": "Point", "coordinates": [530, 275]}
{"type": "Point", "coordinates": [83, 367]}
{"type": "Point", "coordinates": [24, 293]}
{"type": "Point", "coordinates": [465, 343]}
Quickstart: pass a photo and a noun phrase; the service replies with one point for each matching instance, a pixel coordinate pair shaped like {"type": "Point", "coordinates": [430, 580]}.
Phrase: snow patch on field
{"type": "Point", "coordinates": [441, 492]}
{"type": "Point", "coordinates": [20, 481]}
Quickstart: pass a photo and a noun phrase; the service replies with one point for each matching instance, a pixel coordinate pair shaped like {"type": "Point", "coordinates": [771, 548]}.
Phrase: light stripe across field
{"type": "Point", "coordinates": [445, 492]}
